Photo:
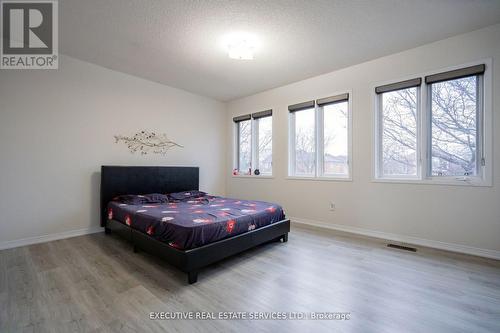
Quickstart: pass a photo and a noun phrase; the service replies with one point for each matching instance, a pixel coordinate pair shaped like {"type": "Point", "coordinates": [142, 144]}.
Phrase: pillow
{"type": "Point", "coordinates": [134, 199]}
{"type": "Point", "coordinates": [186, 195]}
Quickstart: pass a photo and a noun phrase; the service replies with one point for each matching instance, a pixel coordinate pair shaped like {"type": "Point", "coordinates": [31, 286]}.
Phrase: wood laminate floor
{"type": "Point", "coordinates": [96, 283]}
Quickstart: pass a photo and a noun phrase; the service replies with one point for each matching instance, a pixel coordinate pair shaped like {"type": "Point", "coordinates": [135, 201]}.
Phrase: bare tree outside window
{"type": "Point", "coordinates": [399, 132]}
{"type": "Point", "coordinates": [265, 145]}
{"type": "Point", "coordinates": [336, 140]}
{"type": "Point", "coordinates": [454, 127]}
{"type": "Point", "coordinates": [305, 161]}
{"type": "Point", "coordinates": [244, 146]}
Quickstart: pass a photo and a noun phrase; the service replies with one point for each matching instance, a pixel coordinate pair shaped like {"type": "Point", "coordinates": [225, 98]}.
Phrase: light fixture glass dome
{"type": "Point", "coordinates": [240, 45]}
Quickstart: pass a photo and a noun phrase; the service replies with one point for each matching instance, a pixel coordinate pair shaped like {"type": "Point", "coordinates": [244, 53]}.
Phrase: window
{"type": "Point", "coordinates": [454, 127]}
{"type": "Point", "coordinates": [264, 133]}
{"type": "Point", "coordinates": [336, 139]}
{"type": "Point", "coordinates": [305, 142]}
{"type": "Point", "coordinates": [435, 137]}
{"type": "Point", "coordinates": [320, 138]}
{"type": "Point", "coordinates": [399, 129]}
{"type": "Point", "coordinates": [254, 143]}
{"type": "Point", "coordinates": [244, 145]}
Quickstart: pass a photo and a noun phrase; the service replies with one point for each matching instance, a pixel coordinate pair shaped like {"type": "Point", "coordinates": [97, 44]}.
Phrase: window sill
{"type": "Point", "coordinates": [254, 176]}
{"type": "Point", "coordinates": [446, 182]}
{"type": "Point", "coordinates": [327, 179]}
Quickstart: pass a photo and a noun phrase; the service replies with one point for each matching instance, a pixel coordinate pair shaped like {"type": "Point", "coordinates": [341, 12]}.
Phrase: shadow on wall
{"type": "Point", "coordinates": [95, 205]}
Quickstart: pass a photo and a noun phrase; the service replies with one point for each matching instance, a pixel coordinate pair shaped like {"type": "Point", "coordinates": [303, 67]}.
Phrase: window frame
{"type": "Point", "coordinates": [237, 144]}
{"type": "Point", "coordinates": [479, 134]}
{"type": "Point", "coordinates": [379, 130]}
{"type": "Point", "coordinates": [292, 151]}
{"type": "Point", "coordinates": [424, 133]}
{"type": "Point", "coordinates": [319, 144]}
{"type": "Point", "coordinates": [255, 145]}
{"type": "Point", "coordinates": [254, 141]}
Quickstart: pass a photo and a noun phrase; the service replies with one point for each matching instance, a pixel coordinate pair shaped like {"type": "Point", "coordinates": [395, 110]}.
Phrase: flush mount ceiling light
{"type": "Point", "coordinates": [240, 45]}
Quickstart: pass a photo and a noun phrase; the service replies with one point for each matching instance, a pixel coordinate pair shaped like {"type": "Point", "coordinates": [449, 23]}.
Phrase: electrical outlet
{"type": "Point", "coordinates": [332, 206]}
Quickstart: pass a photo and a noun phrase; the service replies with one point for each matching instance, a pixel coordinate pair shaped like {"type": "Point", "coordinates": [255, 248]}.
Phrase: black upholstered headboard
{"type": "Point", "coordinates": [119, 180]}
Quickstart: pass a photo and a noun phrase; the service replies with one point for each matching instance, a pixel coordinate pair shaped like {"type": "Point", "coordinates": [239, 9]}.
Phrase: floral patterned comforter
{"type": "Point", "coordinates": [191, 223]}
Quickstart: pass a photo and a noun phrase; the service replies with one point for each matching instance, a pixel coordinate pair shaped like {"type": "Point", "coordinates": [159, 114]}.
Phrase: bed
{"type": "Point", "coordinates": [192, 229]}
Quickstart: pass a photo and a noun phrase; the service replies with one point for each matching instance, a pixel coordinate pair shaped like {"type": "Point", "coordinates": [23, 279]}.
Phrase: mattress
{"type": "Point", "coordinates": [187, 224]}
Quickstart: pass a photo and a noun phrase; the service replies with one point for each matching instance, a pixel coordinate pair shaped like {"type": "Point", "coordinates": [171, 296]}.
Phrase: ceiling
{"type": "Point", "coordinates": [176, 42]}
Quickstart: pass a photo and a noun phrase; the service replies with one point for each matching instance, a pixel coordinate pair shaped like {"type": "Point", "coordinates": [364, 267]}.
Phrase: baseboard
{"type": "Point", "coordinates": [486, 253]}
{"type": "Point", "coordinates": [47, 238]}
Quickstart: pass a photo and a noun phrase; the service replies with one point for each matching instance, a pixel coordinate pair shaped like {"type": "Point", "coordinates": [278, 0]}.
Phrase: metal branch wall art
{"type": "Point", "coordinates": [147, 142]}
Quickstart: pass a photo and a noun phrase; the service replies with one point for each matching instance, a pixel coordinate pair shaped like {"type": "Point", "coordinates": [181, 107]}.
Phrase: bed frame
{"type": "Point", "coordinates": [118, 180]}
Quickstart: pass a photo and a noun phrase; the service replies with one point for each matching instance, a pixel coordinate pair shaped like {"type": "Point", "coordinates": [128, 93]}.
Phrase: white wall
{"type": "Point", "coordinates": [469, 217]}
{"type": "Point", "coordinates": [57, 127]}
{"type": "Point", "coordinates": [56, 130]}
